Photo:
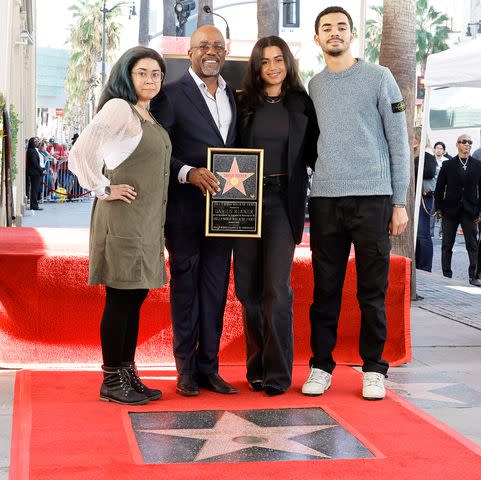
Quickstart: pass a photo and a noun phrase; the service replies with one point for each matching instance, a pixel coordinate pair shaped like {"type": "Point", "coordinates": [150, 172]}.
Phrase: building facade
{"type": "Point", "coordinates": [17, 84]}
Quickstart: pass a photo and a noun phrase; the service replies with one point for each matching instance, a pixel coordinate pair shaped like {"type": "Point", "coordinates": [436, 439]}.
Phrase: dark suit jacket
{"type": "Point", "coordinates": [456, 192]}
{"type": "Point", "coordinates": [181, 109]}
{"type": "Point", "coordinates": [302, 151]}
{"type": "Point", "coordinates": [33, 164]}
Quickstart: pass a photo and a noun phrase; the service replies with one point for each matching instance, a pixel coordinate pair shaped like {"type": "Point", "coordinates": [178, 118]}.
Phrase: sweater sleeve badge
{"type": "Point", "coordinates": [398, 107]}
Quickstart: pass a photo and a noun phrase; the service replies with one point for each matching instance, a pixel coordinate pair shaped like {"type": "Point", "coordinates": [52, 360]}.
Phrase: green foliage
{"type": "Point", "coordinates": [86, 41]}
{"type": "Point", "coordinates": [431, 33]}
{"type": "Point", "coordinates": [15, 123]}
{"type": "Point", "coordinates": [306, 75]}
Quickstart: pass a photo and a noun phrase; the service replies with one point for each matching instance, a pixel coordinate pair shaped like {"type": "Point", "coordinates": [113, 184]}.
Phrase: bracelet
{"type": "Point", "coordinates": [398, 205]}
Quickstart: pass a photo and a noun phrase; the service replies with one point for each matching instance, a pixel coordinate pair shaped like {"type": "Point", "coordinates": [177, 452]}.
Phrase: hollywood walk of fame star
{"type": "Point", "coordinates": [422, 391]}
{"type": "Point", "coordinates": [234, 178]}
{"type": "Point", "coordinates": [232, 433]}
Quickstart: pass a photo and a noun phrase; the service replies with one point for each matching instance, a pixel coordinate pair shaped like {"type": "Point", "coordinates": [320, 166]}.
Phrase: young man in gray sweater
{"type": "Point", "coordinates": [358, 196]}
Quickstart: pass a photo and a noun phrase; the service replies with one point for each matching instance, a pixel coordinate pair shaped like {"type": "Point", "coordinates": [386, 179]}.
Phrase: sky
{"type": "Point", "coordinates": [55, 14]}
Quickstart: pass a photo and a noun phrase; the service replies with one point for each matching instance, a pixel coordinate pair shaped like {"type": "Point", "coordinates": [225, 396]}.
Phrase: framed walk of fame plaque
{"type": "Point", "coordinates": [236, 210]}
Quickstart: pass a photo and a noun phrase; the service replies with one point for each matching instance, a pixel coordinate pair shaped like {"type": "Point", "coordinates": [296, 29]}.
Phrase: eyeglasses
{"type": "Point", "coordinates": [205, 47]}
{"type": "Point", "coordinates": [464, 142]}
{"type": "Point", "coordinates": [142, 76]}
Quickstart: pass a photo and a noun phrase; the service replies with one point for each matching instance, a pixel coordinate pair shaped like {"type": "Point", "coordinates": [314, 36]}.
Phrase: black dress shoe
{"type": "Point", "coordinates": [475, 282]}
{"type": "Point", "coordinates": [214, 382]}
{"type": "Point", "coordinates": [256, 385]}
{"type": "Point", "coordinates": [38, 208]}
{"type": "Point", "coordinates": [273, 391]}
{"type": "Point", "coordinates": [187, 386]}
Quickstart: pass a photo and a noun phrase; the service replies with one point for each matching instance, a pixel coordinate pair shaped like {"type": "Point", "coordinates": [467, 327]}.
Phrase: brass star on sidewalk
{"type": "Point", "coordinates": [232, 433]}
{"type": "Point", "coordinates": [234, 178]}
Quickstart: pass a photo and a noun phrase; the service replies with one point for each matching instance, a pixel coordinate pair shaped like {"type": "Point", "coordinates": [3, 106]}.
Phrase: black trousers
{"type": "Point", "coordinates": [119, 328]}
{"type": "Point", "coordinates": [450, 227]}
{"type": "Point", "coordinates": [335, 224]}
{"type": "Point", "coordinates": [34, 184]}
{"type": "Point", "coordinates": [199, 278]}
{"type": "Point", "coordinates": [262, 269]}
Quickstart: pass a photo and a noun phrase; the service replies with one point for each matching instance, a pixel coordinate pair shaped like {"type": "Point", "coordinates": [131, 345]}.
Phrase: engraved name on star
{"type": "Point", "coordinates": [234, 178]}
{"type": "Point", "coordinates": [232, 433]}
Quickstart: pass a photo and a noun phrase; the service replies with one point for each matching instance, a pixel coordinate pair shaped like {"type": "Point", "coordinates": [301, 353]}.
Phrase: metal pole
{"type": "Point", "coordinates": [362, 29]}
{"type": "Point", "coordinates": [104, 11]}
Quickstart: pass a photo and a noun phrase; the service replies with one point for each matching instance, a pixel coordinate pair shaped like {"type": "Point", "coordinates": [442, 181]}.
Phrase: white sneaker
{"type": "Point", "coordinates": [317, 383]}
{"type": "Point", "coordinates": [373, 386]}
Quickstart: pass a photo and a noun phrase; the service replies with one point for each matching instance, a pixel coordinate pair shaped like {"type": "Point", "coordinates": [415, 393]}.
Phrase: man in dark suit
{"type": "Point", "coordinates": [458, 201]}
{"type": "Point", "coordinates": [34, 171]}
{"type": "Point", "coordinates": [198, 111]}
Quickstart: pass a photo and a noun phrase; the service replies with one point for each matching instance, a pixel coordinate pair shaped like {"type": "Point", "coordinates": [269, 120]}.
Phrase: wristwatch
{"type": "Point", "coordinates": [108, 190]}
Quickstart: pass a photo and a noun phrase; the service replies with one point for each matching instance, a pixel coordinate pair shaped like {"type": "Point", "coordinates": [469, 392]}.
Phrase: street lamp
{"type": "Point", "coordinates": [478, 30]}
{"type": "Point", "coordinates": [105, 10]}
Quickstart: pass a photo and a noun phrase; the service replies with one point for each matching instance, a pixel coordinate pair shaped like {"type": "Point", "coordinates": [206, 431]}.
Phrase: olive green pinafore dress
{"type": "Point", "coordinates": [127, 240]}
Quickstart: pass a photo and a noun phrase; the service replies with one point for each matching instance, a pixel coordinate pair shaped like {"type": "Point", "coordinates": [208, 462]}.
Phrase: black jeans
{"type": "Point", "coordinates": [450, 227]}
{"type": "Point", "coordinates": [335, 224]}
{"type": "Point", "coordinates": [262, 269]}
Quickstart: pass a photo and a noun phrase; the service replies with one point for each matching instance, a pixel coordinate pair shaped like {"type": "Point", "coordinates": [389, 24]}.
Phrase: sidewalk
{"type": "Point", "coordinates": [444, 378]}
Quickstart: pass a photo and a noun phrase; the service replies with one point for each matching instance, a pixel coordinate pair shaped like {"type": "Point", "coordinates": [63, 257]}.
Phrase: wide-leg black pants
{"type": "Point", "coordinates": [262, 269]}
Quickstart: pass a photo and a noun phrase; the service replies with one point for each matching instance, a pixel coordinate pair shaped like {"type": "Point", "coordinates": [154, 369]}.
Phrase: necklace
{"type": "Point", "coordinates": [273, 99]}
{"type": "Point", "coordinates": [464, 164]}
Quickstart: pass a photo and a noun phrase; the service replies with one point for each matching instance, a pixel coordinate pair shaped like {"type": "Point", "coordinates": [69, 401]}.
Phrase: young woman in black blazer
{"type": "Point", "coordinates": [276, 114]}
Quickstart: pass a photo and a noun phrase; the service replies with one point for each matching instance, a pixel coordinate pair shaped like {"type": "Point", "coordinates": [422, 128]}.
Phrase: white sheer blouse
{"type": "Point", "coordinates": [110, 138]}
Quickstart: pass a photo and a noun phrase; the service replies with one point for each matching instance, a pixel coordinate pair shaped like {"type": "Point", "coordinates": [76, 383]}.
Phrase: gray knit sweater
{"type": "Point", "coordinates": [363, 146]}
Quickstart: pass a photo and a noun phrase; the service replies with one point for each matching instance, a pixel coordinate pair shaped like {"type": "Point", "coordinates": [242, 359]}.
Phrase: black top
{"type": "Point", "coordinates": [271, 132]}
{"type": "Point", "coordinates": [457, 190]}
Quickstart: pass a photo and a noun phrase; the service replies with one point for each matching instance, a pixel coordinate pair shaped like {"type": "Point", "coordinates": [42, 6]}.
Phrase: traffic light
{"type": "Point", "coordinates": [183, 9]}
{"type": "Point", "coordinates": [421, 89]}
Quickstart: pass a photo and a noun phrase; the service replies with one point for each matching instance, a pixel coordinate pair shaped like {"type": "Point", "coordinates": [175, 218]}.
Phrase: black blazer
{"type": "Point", "coordinates": [181, 109]}
{"type": "Point", "coordinates": [455, 192]}
{"type": "Point", "coordinates": [33, 163]}
{"type": "Point", "coordinates": [302, 151]}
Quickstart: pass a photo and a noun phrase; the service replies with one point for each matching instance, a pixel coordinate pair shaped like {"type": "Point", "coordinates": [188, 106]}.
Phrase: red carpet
{"type": "Point", "coordinates": [62, 432]}
{"type": "Point", "coordinates": [49, 315]}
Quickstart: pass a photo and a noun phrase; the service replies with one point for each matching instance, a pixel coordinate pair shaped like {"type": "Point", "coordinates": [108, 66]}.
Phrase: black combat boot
{"type": "Point", "coordinates": [118, 388]}
{"type": "Point", "coordinates": [138, 386]}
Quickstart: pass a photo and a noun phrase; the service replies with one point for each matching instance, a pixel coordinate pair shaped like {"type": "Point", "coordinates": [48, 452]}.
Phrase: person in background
{"type": "Point", "coordinates": [458, 202]}
{"type": "Point", "coordinates": [123, 156]}
{"type": "Point", "coordinates": [477, 154]}
{"type": "Point", "coordinates": [34, 171]}
{"type": "Point", "coordinates": [49, 170]}
{"type": "Point", "coordinates": [276, 114]}
{"type": "Point", "coordinates": [440, 155]}
{"type": "Point", "coordinates": [424, 241]}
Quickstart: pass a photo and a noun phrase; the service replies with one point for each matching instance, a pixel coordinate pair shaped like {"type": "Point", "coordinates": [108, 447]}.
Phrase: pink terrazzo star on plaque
{"type": "Point", "coordinates": [234, 178]}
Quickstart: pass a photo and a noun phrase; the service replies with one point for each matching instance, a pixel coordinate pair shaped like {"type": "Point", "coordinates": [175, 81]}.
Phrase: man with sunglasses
{"type": "Point", "coordinates": [458, 202]}
{"type": "Point", "coordinates": [198, 111]}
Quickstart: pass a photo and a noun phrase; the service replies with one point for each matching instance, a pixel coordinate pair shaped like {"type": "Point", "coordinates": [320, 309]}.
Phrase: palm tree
{"type": "Point", "coordinates": [431, 33]}
{"type": "Point", "coordinates": [86, 41]}
{"type": "Point", "coordinates": [398, 47]}
{"type": "Point", "coordinates": [169, 19]}
{"type": "Point", "coordinates": [267, 18]}
{"type": "Point", "coordinates": [374, 34]}
{"type": "Point", "coordinates": [202, 17]}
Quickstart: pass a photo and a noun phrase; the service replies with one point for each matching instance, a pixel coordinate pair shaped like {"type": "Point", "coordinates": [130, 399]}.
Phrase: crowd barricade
{"type": "Point", "coordinates": [59, 185]}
